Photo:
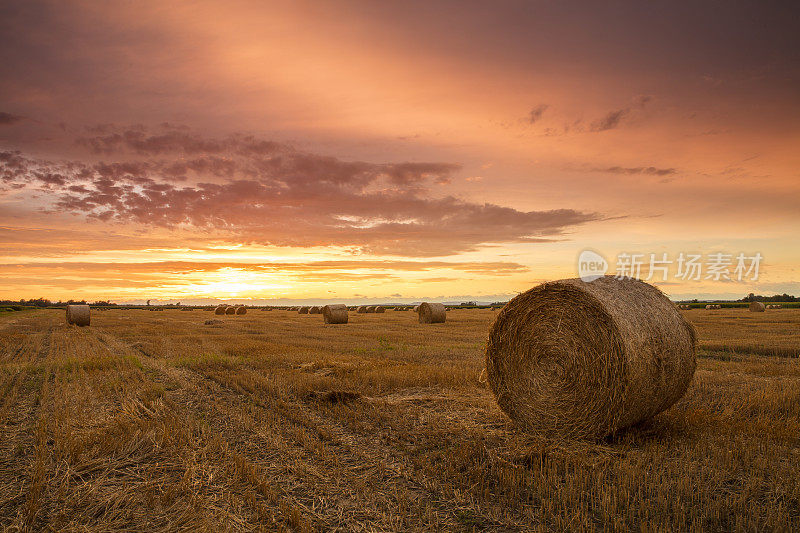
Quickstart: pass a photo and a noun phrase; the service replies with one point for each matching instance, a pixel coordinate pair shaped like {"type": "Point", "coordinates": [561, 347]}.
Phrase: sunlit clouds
{"type": "Point", "coordinates": [241, 150]}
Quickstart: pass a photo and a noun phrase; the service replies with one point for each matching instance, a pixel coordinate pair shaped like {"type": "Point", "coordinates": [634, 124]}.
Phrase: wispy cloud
{"type": "Point", "coordinates": [9, 118]}
{"type": "Point", "coordinates": [536, 113]}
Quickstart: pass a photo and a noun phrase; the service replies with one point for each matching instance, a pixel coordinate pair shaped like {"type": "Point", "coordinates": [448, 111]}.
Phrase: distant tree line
{"type": "Point", "coordinates": [777, 298]}
{"type": "Point", "coordinates": [44, 302]}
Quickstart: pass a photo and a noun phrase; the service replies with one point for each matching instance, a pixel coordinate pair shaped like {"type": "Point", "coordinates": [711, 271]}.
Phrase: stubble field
{"type": "Point", "coordinates": [272, 420]}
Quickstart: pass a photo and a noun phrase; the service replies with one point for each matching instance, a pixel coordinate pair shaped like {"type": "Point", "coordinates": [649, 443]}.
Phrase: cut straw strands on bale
{"type": "Point", "coordinates": [757, 307]}
{"type": "Point", "coordinates": [241, 310]}
{"type": "Point", "coordinates": [335, 314]}
{"type": "Point", "coordinates": [314, 310]}
{"type": "Point", "coordinates": [230, 310]}
{"type": "Point", "coordinates": [303, 310]}
{"type": "Point", "coordinates": [380, 309]}
{"type": "Point", "coordinates": [78, 315]}
{"type": "Point", "coordinates": [574, 359]}
{"type": "Point", "coordinates": [432, 313]}
{"type": "Point", "coordinates": [220, 310]}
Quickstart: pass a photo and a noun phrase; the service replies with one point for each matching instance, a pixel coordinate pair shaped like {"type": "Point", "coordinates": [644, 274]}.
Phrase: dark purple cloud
{"type": "Point", "coordinates": [7, 119]}
{"type": "Point", "coordinates": [256, 191]}
{"type": "Point", "coordinates": [650, 171]}
{"type": "Point", "coordinates": [536, 113]}
{"type": "Point", "coordinates": [609, 121]}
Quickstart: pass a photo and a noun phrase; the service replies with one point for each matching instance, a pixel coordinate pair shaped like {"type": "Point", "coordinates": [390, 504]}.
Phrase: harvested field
{"type": "Point", "coordinates": [277, 421]}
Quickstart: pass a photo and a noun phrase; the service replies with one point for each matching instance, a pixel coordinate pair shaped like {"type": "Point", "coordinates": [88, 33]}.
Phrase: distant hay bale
{"type": "Point", "coordinates": [230, 310]}
{"type": "Point", "coordinates": [220, 310]}
{"type": "Point", "coordinates": [302, 310]}
{"type": "Point", "coordinates": [756, 307]}
{"type": "Point", "coordinates": [380, 309]}
{"type": "Point", "coordinates": [370, 309]}
{"type": "Point", "coordinates": [78, 315]}
{"type": "Point", "coordinates": [432, 313]}
{"type": "Point", "coordinates": [314, 310]}
{"type": "Point", "coordinates": [241, 310]}
{"type": "Point", "coordinates": [709, 306]}
{"type": "Point", "coordinates": [362, 308]}
{"type": "Point", "coordinates": [335, 314]}
{"type": "Point", "coordinates": [573, 359]}
{"type": "Point", "coordinates": [416, 309]}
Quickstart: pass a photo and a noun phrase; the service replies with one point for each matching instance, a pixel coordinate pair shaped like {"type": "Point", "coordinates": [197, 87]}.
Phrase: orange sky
{"type": "Point", "coordinates": [364, 150]}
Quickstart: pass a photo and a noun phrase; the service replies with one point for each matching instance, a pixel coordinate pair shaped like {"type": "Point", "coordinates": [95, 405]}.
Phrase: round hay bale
{"type": "Point", "coordinates": [220, 310]}
{"type": "Point", "coordinates": [380, 309]}
{"type": "Point", "coordinates": [709, 306]}
{"type": "Point", "coordinates": [583, 360]}
{"type": "Point", "coordinates": [757, 307]}
{"type": "Point", "coordinates": [432, 313]}
{"type": "Point", "coordinates": [370, 309]}
{"type": "Point", "coordinates": [241, 310]}
{"type": "Point", "coordinates": [78, 315]}
{"type": "Point", "coordinates": [416, 309]}
{"type": "Point", "coordinates": [314, 310]}
{"type": "Point", "coordinates": [335, 314]}
{"type": "Point", "coordinates": [230, 310]}
{"type": "Point", "coordinates": [362, 308]}
{"type": "Point", "coordinates": [302, 310]}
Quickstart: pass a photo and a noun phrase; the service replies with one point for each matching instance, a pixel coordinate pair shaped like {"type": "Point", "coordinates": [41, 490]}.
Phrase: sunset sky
{"type": "Point", "coordinates": [391, 151]}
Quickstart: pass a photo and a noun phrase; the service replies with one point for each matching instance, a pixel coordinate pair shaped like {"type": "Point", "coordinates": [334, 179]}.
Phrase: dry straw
{"type": "Point", "coordinates": [335, 314]}
{"type": "Point", "coordinates": [370, 309]}
{"type": "Point", "coordinates": [416, 309]}
{"type": "Point", "coordinates": [220, 310]}
{"type": "Point", "coordinates": [362, 309]}
{"type": "Point", "coordinates": [432, 313]}
{"type": "Point", "coordinates": [230, 310]}
{"type": "Point", "coordinates": [380, 309]}
{"type": "Point", "coordinates": [241, 310]}
{"type": "Point", "coordinates": [303, 310]}
{"type": "Point", "coordinates": [315, 310]}
{"type": "Point", "coordinates": [78, 315]}
{"type": "Point", "coordinates": [757, 307]}
{"type": "Point", "coordinates": [582, 360]}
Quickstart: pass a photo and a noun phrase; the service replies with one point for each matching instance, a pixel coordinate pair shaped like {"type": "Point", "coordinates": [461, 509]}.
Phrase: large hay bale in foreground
{"type": "Point", "coordinates": [582, 360]}
{"type": "Point", "coordinates": [314, 310]}
{"type": "Point", "coordinates": [380, 309]}
{"type": "Point", "coordinates": [757, 307]}
{"type": "Point", "coordinates": [220, 310]}
{"type": "Point", "coordinates": [230, 310]}
{"type": "Point", "coordinates": [432, 313]}
{"type": "Point", "coordinates": [303, 310]}
{"type": "Point", "coordinates": [335, 314]}
{"type": "Point", "coordinates": [80, 315]}
{"type": "Point", "coordinates": [241, 310]}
